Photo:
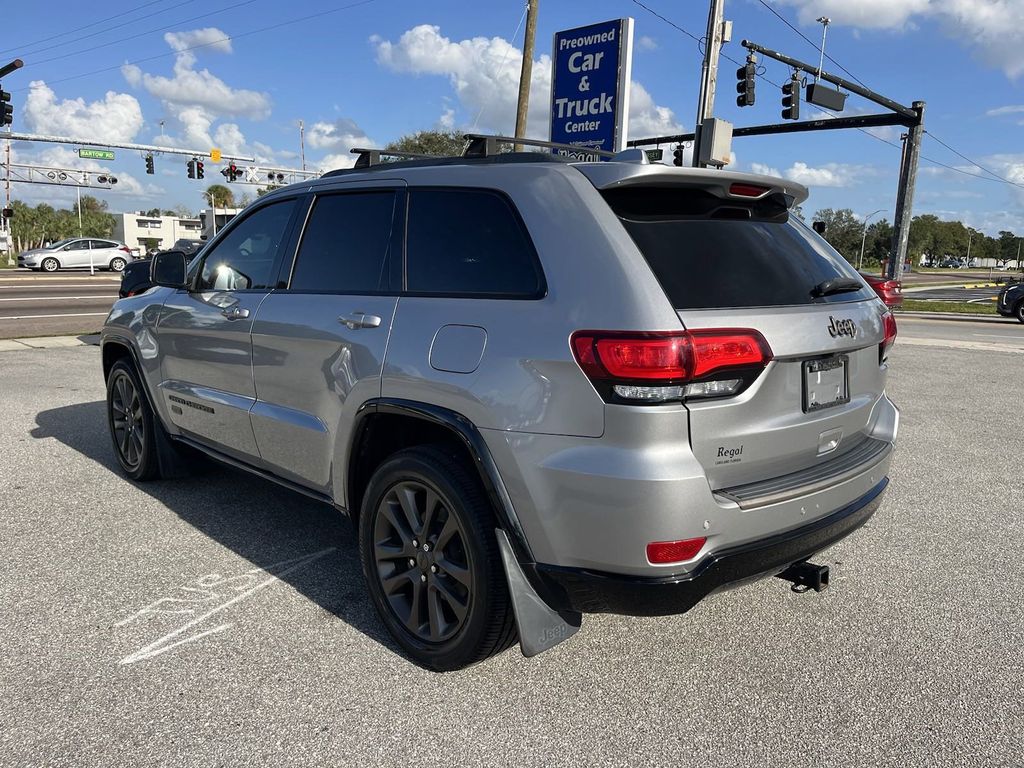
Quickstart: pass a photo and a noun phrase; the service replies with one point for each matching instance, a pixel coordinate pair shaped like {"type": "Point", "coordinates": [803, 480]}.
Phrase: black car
{"type": "Point", "coordinates": [1011, 301]}
{"type": "Point", "coordinates": [135, 275]}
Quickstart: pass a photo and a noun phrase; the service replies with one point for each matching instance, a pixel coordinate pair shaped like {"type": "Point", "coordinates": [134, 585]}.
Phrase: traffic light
{"type": "Point", "coordinates": [745, 86]}
{"type": "Point", "coordinates": [6, 109]}
{"type": "Point", "coordinates": [199, 169]}
{"type": "Point", "coordinates": [677, 156]}
{"type": "Point", "coordinates": [149, 165]}
{"type": "Point", "coordinates": [791, 99]}
{"type": "Point", "coordinates": [231, 173]}
{"type": "Point", "coordinates": [191, 169]}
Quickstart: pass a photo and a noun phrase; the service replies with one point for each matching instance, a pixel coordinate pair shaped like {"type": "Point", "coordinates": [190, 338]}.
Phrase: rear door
{"type": "Point", "coordinates": [204, 333]}
{"type": "Point", "coordinates": [75, 254]}
{"type": "Point", "coordinates": [747, 264]}
{"type": "Point", "coordinates": [319, 343]}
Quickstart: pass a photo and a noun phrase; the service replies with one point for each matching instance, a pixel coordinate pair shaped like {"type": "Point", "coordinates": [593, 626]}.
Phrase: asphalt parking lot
{"type": "Point", "coordinates": [220, 620]}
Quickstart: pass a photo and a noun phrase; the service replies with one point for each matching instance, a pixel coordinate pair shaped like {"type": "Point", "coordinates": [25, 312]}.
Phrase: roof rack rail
{"type": "Point", "coordinates": [368, 157]}
{"type": "Point", "coordinates": [482, 145]}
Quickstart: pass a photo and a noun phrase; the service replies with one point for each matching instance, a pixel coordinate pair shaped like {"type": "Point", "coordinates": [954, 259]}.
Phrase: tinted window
{"type": "Point", "coordinates": [103, 244]}
{"type": "Point", "coordinates": [345, 245]}
{"type": "Point", "coordinates": [245, 258]}
{"type": "Point", "coordinates": [78, 245]}
{"type": "Point", "coordinates": [709, 253]}
{"type": "Point", "coordinates": [468, 242]}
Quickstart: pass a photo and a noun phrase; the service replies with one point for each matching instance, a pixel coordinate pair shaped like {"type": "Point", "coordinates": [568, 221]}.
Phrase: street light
{"type": "Point", "coordinates": [864, 236]}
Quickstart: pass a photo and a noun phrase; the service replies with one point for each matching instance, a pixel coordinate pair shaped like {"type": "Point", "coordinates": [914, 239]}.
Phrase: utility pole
{"type": "Point", "coordinates": [708, 74]}
{"type": "Point", "coordinates": [905, 192]}
{"type": "Point", "coordinates": [526, 73]}
{"type": "Point", "coordinates": [302, 144]}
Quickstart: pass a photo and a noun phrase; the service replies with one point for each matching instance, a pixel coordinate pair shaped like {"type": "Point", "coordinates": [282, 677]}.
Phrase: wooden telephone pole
{"type": "Point", "coordinates": [526, 73]}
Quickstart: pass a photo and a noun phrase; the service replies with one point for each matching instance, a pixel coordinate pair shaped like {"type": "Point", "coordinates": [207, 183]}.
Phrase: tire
{"type": "Point", "coordinates": [133, 428]}
{"type": "Point", "coordinates": [433, 570]}
{"type": "Point", "coordinates": [49, 264]}
{"type": "Point", "coordinates": [117, 264]}
{"type": "Point", "coordinates": [1018, 311]}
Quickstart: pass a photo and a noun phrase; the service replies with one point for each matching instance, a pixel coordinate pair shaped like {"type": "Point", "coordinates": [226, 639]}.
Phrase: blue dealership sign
{"type": "Point", "coordinates": [590, 85]}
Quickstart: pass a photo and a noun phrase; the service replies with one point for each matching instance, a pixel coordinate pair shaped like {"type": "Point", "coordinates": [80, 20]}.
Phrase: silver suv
{"type": "Point", "coordinates": [538, 388]}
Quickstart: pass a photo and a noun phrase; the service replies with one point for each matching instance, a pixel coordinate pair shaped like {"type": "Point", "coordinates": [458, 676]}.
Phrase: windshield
{"type": "Point", "coordinates": [711, 254]}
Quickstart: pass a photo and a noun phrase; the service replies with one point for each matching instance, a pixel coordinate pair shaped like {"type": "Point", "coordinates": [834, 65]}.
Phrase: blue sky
{"type": "Point", "coordinates": [370, 72]}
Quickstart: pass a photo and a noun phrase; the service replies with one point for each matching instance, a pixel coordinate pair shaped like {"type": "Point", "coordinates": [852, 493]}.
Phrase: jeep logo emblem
{"type": "Point", "coordinates": [838, 328]}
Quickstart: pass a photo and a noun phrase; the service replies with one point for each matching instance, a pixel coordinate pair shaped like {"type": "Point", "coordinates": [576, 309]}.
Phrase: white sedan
{"type": "Point", "coordinates": [77, 252]}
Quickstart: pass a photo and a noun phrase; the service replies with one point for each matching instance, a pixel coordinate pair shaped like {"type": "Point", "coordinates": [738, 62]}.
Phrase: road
{"type": "Point", "coordinates": [221, 620]}
{"type": "Point", "coordinates": [65, 303]}
{"type": "Point", "coordinates": [953, 293]}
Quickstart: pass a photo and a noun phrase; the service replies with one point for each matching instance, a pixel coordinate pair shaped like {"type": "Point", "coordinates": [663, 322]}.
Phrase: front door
{"type": "Point", "coordinates": [318, 346]}
{"type": "Point", "coordinates": [204, 332]}
{"type": "Point", "coordinates": [75, 254]}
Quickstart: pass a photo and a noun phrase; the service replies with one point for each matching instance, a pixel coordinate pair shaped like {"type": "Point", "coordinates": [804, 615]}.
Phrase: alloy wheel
{"type": "Point", "coordinates": [128, 424]}
{"type": "Point", "coordinates": [423, 563]}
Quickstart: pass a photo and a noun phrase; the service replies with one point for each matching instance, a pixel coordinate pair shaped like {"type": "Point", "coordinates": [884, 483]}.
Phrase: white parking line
{"type": "Point", "coordinates": [45, 287]}
{"type": "Point", "coordinates": [72, 314]}
{"type": "Point", "coordinates": [58, 298]}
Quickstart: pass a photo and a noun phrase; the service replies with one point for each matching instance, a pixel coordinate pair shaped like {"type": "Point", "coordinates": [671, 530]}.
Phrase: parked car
{"type": "Point", "coordinates": [188, 246]}
{"type": "Point", "coordinates": [538, 388]}
{"type": "Point", "coordinates": [76, 253]}
{"type": "Point", "coordinates": [951, 264]}
{"type": "Point", "coordinates": [1010, 302]}
{"type": "Point", "coordinates": [889, 291]}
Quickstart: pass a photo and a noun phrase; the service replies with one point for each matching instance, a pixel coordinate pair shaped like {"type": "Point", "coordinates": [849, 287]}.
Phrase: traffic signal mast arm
{"type": "Point", "coordinates": [810, 69]}
{"type": "Point", "coordinates": [115, 145]}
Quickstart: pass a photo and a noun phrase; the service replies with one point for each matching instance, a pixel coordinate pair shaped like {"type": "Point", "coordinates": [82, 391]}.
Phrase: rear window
{"type": "Point", "coordinates": [709, 253]}
{"type": "Point", "coordinates": [469, 242]}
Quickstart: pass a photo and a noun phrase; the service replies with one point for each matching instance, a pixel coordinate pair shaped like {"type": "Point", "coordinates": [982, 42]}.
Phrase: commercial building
{"type": "Point", "coordinates": [142, 233]}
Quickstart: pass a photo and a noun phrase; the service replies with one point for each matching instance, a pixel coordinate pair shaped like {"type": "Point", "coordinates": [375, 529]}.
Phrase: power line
{"type": "Point", "coordinates": [816, 47]}
{"type": "Point", "coordinates": [259, 30]}
{"type": "Point", "coordinates": [104, 31]}
{"type": "Point", "coordinates": [142, 34]}
{"type": "Point", "coordinates": [79, 29]}
{"type": "Point", "coordinates": [972, 162]}
{"type": "Point", "coordinates": [671, 24]}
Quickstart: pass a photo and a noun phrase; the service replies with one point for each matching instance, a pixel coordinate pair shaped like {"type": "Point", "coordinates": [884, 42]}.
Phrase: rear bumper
{"type": "Point", "coordinates": [590, 591]}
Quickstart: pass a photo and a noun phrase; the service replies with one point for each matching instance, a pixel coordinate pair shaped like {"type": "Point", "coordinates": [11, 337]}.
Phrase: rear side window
{"type": "Point", "coordinates": [345, 245]}
{"type": "Point", "coordinates": [708, 253]}
{"type": "Point", "coordinates": [469, 242]}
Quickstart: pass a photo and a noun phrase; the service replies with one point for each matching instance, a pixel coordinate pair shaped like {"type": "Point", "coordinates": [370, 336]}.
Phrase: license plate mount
{"type": "Point", "coordinates": [826, 383]}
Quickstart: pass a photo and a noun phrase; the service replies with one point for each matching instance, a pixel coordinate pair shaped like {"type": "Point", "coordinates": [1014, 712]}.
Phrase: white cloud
{"type": "Point", "coordinates": [994, 29]}
{"type": "Point", "coordinates": [1010, 109]}
{"type": "Point", "coordinates": [116, 118]}
{"type": "Point", "coordinates": [335, 161]}
{"type": "Point", "coordinates": [645, 43]}
{"type": "Point", "coordinates": [210, 38]}
{"type": "Point", "coordinates": [828, 175]}
{"type": "Point", "coordinates": [341, 133]}
{"type": "Point", "coordinates": [484, 72]}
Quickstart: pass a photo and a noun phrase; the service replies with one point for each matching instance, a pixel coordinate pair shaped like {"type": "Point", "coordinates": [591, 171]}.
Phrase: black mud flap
{"type": "Point", "coordinates": [540, 626]}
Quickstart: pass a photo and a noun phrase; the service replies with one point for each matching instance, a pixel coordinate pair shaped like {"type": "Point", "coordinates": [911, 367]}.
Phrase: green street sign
{"type": "Point", "coordinates": [96, 154]}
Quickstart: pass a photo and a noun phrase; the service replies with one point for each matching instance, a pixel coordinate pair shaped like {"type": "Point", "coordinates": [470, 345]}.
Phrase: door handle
{"type": "Point", "coordinates": [235, 313]}
{"type": "Point", "coordinates": [360, 320]}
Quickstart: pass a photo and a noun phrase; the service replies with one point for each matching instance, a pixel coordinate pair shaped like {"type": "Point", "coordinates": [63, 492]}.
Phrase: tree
{"type": "Point", "coordinates": [182, 212]}
{"type": "Point", "coordinates": [223, 196]}
{"type": "Point", "coordinates": [1008, 247]}
{"type": "Point", "coordinates": [445, 143]}
{"type": "Point", "coordinates": [261, 191]}
{"type": "Point", "coordinates": [842, 230]}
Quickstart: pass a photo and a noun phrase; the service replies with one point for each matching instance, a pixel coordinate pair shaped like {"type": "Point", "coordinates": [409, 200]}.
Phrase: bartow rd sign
{"type": "Point", "coordinates": [590, 86]}
{"type": "Point", "coordinates": [96, 154]}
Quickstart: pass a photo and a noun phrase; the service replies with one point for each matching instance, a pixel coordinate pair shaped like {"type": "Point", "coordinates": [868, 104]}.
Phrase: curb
{"type": "Point", "coordinates": [49, 342]}
{"type": "Point", "coordinates": [955, 316]}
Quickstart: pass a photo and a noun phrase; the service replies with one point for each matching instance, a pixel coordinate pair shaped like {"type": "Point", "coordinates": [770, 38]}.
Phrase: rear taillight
{"type": "Point", "coordinates": [126, 249]}
{"type": "Point", "coordinates": [889, 326]}
{"type": "Point", "coordinates": [658, 367]}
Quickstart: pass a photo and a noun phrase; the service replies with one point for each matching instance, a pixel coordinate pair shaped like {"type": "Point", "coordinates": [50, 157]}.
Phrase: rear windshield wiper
{"type": "Point", "coordinates": [836, 285]}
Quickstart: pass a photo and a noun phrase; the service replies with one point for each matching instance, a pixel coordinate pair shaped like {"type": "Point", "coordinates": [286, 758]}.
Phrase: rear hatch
{"type": "Point", "coordinates": [730, 255]}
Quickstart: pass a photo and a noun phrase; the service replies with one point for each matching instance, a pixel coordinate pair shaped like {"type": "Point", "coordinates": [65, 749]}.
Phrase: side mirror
{"type": "Point", "coordinates": [168, 269]}
{"type": "Point", "coordinates": [203, 238]}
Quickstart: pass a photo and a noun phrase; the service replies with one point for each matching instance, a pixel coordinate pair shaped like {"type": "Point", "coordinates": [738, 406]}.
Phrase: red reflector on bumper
{"type": "Point", "coordinates": [674, 551]}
